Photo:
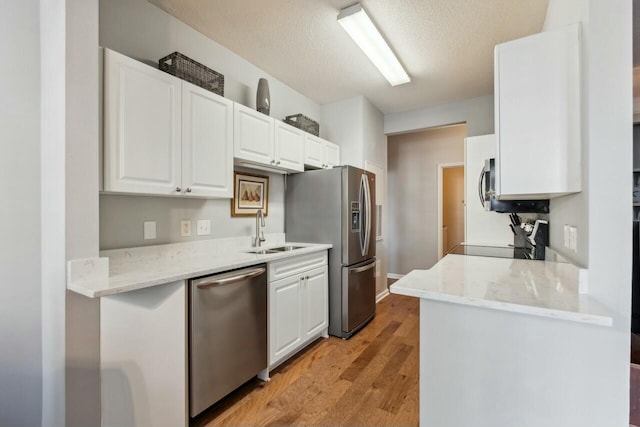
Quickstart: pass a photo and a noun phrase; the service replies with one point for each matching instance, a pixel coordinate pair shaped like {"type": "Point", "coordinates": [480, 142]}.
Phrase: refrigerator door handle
{"type": "Point", "coordinates": [480, 186]}
{"type": "Point", "coordinates": [367, 195]}
{"type": "Point", "coordinates": [363, 200]}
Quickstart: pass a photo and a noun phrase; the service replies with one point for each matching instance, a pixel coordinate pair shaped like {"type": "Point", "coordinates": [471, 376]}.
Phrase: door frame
{"type": "Point", "coordinates": [442, 166]}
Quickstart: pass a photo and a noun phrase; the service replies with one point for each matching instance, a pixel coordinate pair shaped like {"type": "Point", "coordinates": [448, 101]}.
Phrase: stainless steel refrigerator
{"type": "Point", "coordinates": [337, 206]}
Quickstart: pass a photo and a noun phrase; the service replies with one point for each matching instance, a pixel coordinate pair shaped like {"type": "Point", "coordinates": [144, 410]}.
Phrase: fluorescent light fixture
{"type": "Point", "coordinates": [358, 25]}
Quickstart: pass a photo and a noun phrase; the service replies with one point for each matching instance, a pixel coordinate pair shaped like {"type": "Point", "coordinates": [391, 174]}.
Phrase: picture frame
{"type": "Point", "coordinates": [250, 193]}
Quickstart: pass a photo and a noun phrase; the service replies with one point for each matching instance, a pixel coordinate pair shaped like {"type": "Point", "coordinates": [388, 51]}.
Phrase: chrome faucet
{"type": "Point", "coordinates": [257, 242]}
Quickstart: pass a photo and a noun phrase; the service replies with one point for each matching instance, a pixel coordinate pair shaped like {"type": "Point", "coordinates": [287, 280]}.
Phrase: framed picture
{"type": "Point", "coordinates": [250, 193]}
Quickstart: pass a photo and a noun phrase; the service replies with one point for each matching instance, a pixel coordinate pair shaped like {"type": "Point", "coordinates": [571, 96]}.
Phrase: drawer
{"type": "Point", "coordinates": [296, 265]}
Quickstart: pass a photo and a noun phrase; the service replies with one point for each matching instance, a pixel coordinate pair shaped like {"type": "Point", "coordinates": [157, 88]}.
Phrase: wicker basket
{"type": "Point", "coordinates": [192, 71]}
{"type": "Point", "coordinates": [303, 122]}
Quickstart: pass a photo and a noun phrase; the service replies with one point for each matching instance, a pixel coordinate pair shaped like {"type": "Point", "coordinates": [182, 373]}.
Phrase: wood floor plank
{"type": "Point", "coordinates": [370, 379]}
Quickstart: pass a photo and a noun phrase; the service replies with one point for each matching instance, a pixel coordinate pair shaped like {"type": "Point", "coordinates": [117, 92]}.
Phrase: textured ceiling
{"type": "Point", "coordinates": [445, 45]}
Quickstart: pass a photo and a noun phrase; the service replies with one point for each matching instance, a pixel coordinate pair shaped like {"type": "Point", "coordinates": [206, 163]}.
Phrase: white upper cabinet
{"type": "Point", "coordinates": [332, 153]}
{"type": "Point", "coordinates": [289, 147]}
{"type": "Point", "coordinates": [263, 141]}
{"type": "Point", "coordinates": [320, 153]}
{"type": "Point", "coordinates": [537, 115]}
{"type": "Point", "coordinates": [253, 136]}
{"type": "Point", "coordinates": [207, 143]}
{"type": "Point", "coordinates": [142, 127]}
{"type": "Point", "coordinates": [163, 135]}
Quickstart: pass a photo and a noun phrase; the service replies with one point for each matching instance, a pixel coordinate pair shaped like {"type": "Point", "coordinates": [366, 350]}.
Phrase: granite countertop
{"type": "Point", "coordinates": [124, 270]}
{"type": "Point", "coordinates": [540, 288]}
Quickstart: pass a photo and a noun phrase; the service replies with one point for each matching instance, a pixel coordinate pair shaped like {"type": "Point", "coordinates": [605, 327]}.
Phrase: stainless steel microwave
{"type": "Point", "coordinates": [487, 195]}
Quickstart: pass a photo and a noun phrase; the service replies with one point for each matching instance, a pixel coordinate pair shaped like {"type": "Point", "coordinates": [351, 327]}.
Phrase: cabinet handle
{"type": "Point", "coordinates": [178, 189]}
{"type": "Point", "coordinates": [278, 162]}
{"type": "Point", "coordinates": [273, 162]}
{"type": "Point", "coordinates": [307, 278]}
{"type": "Point", "coordinates": [188, 190]}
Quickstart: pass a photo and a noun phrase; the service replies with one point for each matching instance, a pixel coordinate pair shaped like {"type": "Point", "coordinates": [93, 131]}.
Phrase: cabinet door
{"type": "Point", "coordinates": [142, 127]}
{"type": "Point", "coordinates": [537, 88]}
{"type": "Point", "coordinates": [285, 321]}
{"type": "Point", "coordinates": [314, 154]}
{"type": "Point", "coordinates": [289, 147]}
{"type": "Point", "coordinates": [332, 154]}
{"type": "Point", "coordinates": [207, 143]}
{"type": "Point", "coordinates": [315, 304]}
{"type": "Point", "coordinates": [253, 136]}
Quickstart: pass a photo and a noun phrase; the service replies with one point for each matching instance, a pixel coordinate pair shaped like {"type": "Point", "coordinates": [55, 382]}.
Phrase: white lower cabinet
{"type": "Point", "coordinates": [298, 305]}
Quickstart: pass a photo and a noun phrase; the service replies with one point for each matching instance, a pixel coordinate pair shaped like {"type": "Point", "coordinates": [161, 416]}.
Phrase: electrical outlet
{"type": "Point", "coordinates": [566, 235]}
{"type": "Point", "coordinates": [185, 228]}
{"type": "Point", "coordinates": [573, 239]}
{"type": "Point", "coordinates": [203, 227]}
{"type": "Point", "coordinates": [149, 230]}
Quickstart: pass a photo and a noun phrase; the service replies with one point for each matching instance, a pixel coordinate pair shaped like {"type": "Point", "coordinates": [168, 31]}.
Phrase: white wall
{"type": "Point", "coordinates": [412, 194]}
{"type": "Point", "coordinates": [143, 31]}
{"type": "Point", "coordinates": [477, 113]}
{"type": "Point", "coordinates": [602, 211]}
{"type": "Point", "coordinates": [20, 309]}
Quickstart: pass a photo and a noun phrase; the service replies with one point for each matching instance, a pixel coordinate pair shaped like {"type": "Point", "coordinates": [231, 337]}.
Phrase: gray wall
{"type": "Point", "coordinates": [143, 31]}
{"type": "Point", "coordinates": [20, 305]}
{"type": "Point", "coordinates": [413, 160]}
{"type": "Point", "coordinates": [477, 113]}
{"type": "Point", "coordinates": [122, 217]}
{"type": "Point", "coordinates": [138, 29]}
{"type": "Point", "coordinates": [358, 127]}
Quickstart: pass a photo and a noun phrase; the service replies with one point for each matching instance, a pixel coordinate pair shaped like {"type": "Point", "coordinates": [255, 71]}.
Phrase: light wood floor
{"type": "Point", "coordinates": [369, 380]}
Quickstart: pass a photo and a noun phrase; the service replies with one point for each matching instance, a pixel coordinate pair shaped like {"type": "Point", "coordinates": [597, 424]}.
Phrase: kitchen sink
{"type": "Point", "coordinates": [263, 251]}
{"type": "Point", "coordinates": [286, 248]}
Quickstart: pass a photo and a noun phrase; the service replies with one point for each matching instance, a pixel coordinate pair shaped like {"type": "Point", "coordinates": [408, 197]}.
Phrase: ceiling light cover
{"type": "Point", "coordinates": [359, 26]}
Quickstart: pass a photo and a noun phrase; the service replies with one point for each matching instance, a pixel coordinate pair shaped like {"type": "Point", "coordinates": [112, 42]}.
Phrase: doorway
{"type": "Point", "coordinates": [451, 206]}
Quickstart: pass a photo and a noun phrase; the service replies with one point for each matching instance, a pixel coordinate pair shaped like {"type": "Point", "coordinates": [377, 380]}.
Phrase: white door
{"type": "Point", "coordinates": [315, 301]}
{"type": "Point", "coordinates": [332, 154]}
{"type": "Point", "coordinates": [207, 143]}
{"type": "Point", "coordinates": [289, 147]}
{"type": "Point", "coordinates": [253, 136]}
{"type": "Point", "coordinates": [314, 154]}
{"type": "Point", "coordinates": [142, 127]}
{"type": "Point", "coordinates": [284, 317]}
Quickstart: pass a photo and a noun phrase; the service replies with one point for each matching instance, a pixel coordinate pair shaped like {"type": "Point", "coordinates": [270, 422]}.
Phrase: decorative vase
{"type": "Point", "coordinates": [263, 100]}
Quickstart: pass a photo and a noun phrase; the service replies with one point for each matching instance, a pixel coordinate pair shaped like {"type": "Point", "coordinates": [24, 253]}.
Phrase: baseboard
{"type": "Point", "coordinates": [382, 295]}
{"type": "Point", "coordinates": [394, 276]}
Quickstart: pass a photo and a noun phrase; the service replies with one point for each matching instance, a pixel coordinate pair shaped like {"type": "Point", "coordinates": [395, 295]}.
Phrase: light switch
{"type": "Point", "coordinates": [566, 236]}
{"type": "Point", "coordinates": [185, 228]}
{"type": "Point", "coordinates": [573, 239]}
{"type": "Point", "coordinates": [203, 227]}
{"type": "Point", "coordinates": [149, 230]}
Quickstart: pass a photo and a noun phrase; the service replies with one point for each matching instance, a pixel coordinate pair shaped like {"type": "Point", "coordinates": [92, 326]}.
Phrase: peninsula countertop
{"type": "Point", "coordinates": [124, 270]}
{"type": "Point", "coordinates": [540, 288]}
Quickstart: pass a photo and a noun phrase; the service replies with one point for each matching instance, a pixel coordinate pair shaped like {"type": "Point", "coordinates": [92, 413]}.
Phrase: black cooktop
{"type": "Point", "coordinates": [492, 251]}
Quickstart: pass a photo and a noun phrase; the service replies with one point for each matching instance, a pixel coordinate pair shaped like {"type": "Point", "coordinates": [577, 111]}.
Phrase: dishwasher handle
{"type": "Point", "coordinates": [226, 279]}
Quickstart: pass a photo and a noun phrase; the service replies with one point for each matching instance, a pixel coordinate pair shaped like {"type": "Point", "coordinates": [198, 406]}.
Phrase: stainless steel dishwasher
{"type": "Point", "coordinates": [227, 333]}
